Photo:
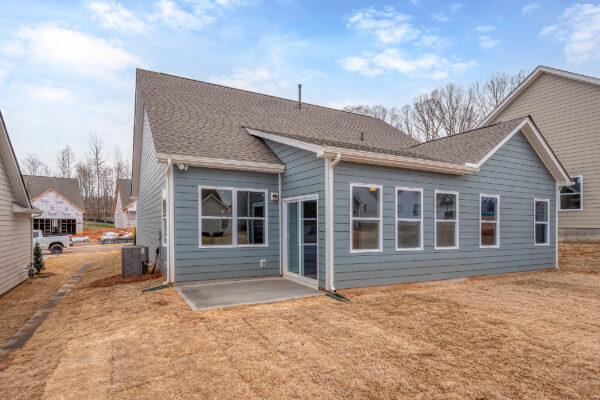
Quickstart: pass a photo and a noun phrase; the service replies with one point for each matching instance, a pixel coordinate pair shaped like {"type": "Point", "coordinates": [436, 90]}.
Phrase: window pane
{"type": "Point", "coordinates": [409, 233]}
{"type": "Point", "coordinates": [365, 202]}
{"type": "Point", "coordinates": [576, 188]}
{"type": "Point", "coordinates": [251, 204]}
{"type": "Point", "coordinates": [570, 202]}
{"type": "Point", "coordinates": [251, 231]}
{"type": "Point", "coordinates": [541, 231]}
{"type": "Point", "coordinates": [541, 211]}
{"type": "Point", "coordinates": [489, 209]}
{"type": "Point", "coordinates": [216, 203]}
{"type": "Point", "coordinates": [310, 231]}
{"type": "Point", "coordinates": [445, 206]}
{"type": "Point", "coordinates": [445, 235]}
{"type": "Point", "coordinates": [488, 234]}
{"type": "Point", "coordinates": [309, 209]}
{"type": "Point", "coordinates": [365, 235]}
{"type": "Point", "coordinates": [216, 232]}
{"type": "Point", "coordinates": [409, 204]}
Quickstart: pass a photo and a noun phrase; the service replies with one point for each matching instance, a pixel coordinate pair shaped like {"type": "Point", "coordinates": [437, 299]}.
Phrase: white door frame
{"type": "Point", "coordinates": [292, 275]}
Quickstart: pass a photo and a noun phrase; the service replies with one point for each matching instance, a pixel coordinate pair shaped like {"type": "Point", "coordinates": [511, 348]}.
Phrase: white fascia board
{"type": "Point", "coordinates": [390, 160]}
{"type": "Point", "coordinates": [219, 163]}
{"type": "Point", "coordinates": [540, 146]}
{"type": "Point", "coordinates": [528, 81]}
{"type": "Point", "coordinates": [287, 141]}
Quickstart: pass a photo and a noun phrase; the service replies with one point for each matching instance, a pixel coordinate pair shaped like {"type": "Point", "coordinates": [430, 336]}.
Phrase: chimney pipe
{"type": "Point", "coordinates": [299, 96]}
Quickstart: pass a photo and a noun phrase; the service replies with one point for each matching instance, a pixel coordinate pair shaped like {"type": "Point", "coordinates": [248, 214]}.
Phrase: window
{"type": "Point", "coordinates": [446, 220]}
{"type": "Point", "coordinates": [51, 226]}
{"type": "Point", "coordinates": [571, 197]}
{"type": "Point", "coordinates": [409, 219]}
{"type": "Point", "coordinates": [489, 220]}
{"type": "Point", "coordinates": [365, 219]}
{"type": "Point", "coordinates": [164, 218]}
{"type": "Point", "coordinates": [541, 222]}
{"type": "Point", "coordinates": [232, 217]}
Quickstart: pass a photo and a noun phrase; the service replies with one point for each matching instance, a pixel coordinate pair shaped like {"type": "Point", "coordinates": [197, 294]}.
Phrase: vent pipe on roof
{"type": "Point", "coordinates": [299, 96]}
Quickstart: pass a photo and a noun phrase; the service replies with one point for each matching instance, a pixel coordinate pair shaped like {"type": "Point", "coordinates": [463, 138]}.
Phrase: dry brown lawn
{"type": "Point", "coordinates": [528, 336]}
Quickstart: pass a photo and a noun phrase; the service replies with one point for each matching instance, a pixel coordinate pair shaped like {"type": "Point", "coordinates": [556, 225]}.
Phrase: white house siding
{"type": "Point", "coordinates": [54, 206]}
{"type": "Point", "coordinates": [15, 237]}
{"type": "Point", "coordinates": [567, 112]}
{"type": "Point", "coordinates": [124, 219]}
{"type": "Point", "coordinates": [152, 181]}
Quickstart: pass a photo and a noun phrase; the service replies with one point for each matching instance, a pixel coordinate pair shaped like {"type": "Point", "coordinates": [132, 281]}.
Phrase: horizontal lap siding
{"type": "Point", "coordinates": [304, 175]}
{"type": "Point", "coordinates": [15, 237]}
{"type": "Point", "coordinates": [149, 205]}
{"type": "Point", "coordinates": [514, 172]}
{"type": "Point", "coordinates": [567, 113]}
{"type": "Point", "coordinates": [195, 263]}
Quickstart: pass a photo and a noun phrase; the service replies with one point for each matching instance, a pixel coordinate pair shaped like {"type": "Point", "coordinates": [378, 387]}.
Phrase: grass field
{"type": "Point", "coordinates": [530, 335]}
{"type": "Point", "coordinates": [96, 225]}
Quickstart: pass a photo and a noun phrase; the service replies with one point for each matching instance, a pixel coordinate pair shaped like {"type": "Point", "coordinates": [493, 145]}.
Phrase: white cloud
{"type": "Point", "coordinates": [259, 80]}
{"type": "Point", "coordinates": [485, 28]}
{"type": "Point", "coordinates": [49, 94]}
{"type": "Point", "coordinates": [387, 24]}
{"type": "Point", "coordinates": [527, 8]}
{"type": "Point", "coordinates": [487, 42]}
{"type": "Point", "coordinates": [70, 50]}
{"type": "Point", "coordinates": [114, 16]}
{"type": "Point", "coordinates": [579, 28]}
{"type": "Point", "coordinates": [441, 18]}
{"type": "Point", "coordinates": [170, 14]}
{"type": "Point", "coordinates": [456, 7]}
{"type": "Point", "coordinates": [429, 66]}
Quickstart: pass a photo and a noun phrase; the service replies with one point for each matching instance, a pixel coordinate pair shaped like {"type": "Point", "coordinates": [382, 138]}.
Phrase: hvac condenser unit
{"type": "Point", "coordinates": [134, 261]}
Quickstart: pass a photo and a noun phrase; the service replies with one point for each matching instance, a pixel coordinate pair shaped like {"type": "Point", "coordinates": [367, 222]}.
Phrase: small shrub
{"type": "Point", "coordinates": [38, 258]}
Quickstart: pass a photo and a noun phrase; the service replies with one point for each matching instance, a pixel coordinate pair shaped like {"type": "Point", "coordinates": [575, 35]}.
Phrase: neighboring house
{"type": "Point", "coordinates": [235, 184]}
{"type": "Point", "coordinates": [61, 204]}
{"type": "Point", "coordinates": [566, 108]}
{"type": "Point", "coordinates": [15, 218]}
{"type": "Point", "coordinates": [125, 205]}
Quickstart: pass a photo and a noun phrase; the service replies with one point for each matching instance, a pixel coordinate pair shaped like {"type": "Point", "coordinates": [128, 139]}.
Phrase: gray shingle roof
{"type": "Point", "coordinates": [124, 187]}
{"type": "Point", "coordinates": [193, 118]}
{"type": "Point", "coordinates": [466, 147]}
{"type": "Point", "coordinates": [68, 187]}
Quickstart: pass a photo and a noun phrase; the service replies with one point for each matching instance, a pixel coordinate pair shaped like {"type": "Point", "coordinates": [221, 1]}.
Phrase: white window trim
{"type": "Point", "coordinates": [163, 219]}
{"type": "Point", "coordinates": [559, 194]}
{"type": "Point", "coordinates": [535, 200]}
{"type": "Point", "coordinates": [497, 222]}
{"type": "Point", "coordinates": [234, 218]}
{"type": "Point", "coordinates": [456, 220]}
{"type": "Point", "coordinates": [380, 219]}
{"type": "Point", "coordinates": [420, 190]}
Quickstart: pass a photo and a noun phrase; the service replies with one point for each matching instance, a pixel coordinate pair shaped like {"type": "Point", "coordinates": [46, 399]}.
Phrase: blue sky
{"type": "Point", "coordinates": [68, 68]}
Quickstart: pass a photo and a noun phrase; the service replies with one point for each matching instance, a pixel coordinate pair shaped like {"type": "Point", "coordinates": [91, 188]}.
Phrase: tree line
{"type": "Point", "coordinates": [446, 110]}
{"type": "Point", "coordinates": [97, 172]}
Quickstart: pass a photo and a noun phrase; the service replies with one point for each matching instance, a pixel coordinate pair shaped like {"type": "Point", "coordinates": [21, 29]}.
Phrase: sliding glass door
{"type": "Point", "coordinates": [301, 234]}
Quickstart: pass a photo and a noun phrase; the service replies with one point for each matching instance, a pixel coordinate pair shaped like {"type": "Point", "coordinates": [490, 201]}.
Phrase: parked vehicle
{"type": "Point", "coordinates": [55, 244]}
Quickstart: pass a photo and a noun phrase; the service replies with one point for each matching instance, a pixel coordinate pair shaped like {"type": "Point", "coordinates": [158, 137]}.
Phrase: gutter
{"type": "Point", "coordinates": [329, 234]}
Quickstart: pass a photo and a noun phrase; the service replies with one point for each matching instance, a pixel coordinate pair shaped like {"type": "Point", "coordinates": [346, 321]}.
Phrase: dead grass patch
{"type": "Point", "coordinates": [532, 335]}
{"type": "Point", "coordinates": [117, 280]}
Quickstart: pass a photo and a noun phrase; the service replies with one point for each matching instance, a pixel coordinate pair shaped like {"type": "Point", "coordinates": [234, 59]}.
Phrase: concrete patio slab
{"type": "Point", "coordinates": [235, 293]}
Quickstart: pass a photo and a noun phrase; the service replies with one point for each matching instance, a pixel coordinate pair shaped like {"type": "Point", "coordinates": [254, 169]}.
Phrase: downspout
{"type": "Point", "coordinates": [329, 218]}
{"type": "Point", "coordinates": [168, 269]}
{"type": "Point", "coordinates": [280, 226]}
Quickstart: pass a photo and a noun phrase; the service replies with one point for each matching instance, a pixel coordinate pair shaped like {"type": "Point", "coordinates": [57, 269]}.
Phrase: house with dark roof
{"type": "Point", "coordinates": [566, 107]}
{"type": "Point", "coordinates": [125, 206]}
{"type": "Point", "coordinates": [15, 217]}
{"type": "Point", "coordinates": [60, 202]}
{"type": "Point", "coordinates": [236, 184]}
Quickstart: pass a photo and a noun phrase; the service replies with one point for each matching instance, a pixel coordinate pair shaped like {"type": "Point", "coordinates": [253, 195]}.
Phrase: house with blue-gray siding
{"type": "Point", "coordinates": [234, 184]}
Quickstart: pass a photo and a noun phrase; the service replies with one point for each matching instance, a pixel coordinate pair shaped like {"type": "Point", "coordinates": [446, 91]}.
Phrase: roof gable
{"type": "Point", "coordinates": [11, 165]}
{"type": "Point", "coordinates": [123, 189]}
{"type": "Point", "coordinates": [528, 81]}
{"type": "Point", "coordinates": [66, 187]}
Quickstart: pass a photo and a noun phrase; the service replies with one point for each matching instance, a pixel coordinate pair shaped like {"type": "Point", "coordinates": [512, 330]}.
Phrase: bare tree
{"type": "Point", "coordinates": [455, 109]}
{"type": "Point", "coordinates": [489, 93]}
{"type": "Point", "coordinates": [34, 166]}
{"type": "Point", "coordinates": [96, 158]}
{"type": "Point", "coordinates": [65, 162]}
{"type": "Point", "coordinates": [121, 167]}
{"type": "Point", "coordinates": [425, 117]}
{"type": "Point", "coordinates": [85, 174]}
